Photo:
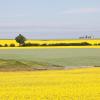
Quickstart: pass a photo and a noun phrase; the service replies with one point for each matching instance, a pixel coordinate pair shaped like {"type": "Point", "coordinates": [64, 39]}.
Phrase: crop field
{"type": "Point", "coordinates": [76, 84]}
{"type": "Point", "coordinates": [53, 56]}
{"type": "Point", "coordinates": [22, 83]}
{"type": "Point", "coordinates": [91, 41]}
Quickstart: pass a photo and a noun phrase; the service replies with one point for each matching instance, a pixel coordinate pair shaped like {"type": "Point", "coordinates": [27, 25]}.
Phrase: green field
{"type": "Point", "coordinates": [47, 57]}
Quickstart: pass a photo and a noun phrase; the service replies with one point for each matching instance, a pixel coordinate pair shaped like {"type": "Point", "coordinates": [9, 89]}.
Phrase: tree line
{"type": "Point", "coordinates": [54, 44]}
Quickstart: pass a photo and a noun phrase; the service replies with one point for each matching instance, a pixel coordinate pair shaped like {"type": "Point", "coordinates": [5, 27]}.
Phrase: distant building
{"type": "Point", "coordinates": [87, 37]}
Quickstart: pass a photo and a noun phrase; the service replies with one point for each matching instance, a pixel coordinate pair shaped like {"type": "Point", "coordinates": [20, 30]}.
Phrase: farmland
{"type": "Point", "coordinates": [91, 41]}
{"type": "Point", "coordinates": [19, 81]}
{"type": "Point", "coordinates": [63, 57]}
{"type": "Point", "coordinates": [77, 84]}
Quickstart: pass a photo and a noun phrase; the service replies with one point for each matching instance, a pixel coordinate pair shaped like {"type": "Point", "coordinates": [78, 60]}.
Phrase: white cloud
{"type": "Point", "coordinates": [82, 11]}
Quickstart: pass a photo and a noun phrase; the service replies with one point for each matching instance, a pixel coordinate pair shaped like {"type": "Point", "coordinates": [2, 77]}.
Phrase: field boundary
{"type": "Point", "coordinates": [44, 47]}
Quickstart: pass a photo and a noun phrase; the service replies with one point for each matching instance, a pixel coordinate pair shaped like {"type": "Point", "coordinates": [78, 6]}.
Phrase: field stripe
{"type": "Point", "coordinates": [44, 47]}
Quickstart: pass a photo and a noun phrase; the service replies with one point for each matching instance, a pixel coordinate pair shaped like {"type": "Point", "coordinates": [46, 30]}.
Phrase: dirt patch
{"type": "Point", "coordinates": [75, 67]}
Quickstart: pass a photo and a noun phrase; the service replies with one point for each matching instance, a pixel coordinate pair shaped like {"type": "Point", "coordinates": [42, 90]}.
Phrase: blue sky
{"type": "Point", "coordinates": [45, 19]}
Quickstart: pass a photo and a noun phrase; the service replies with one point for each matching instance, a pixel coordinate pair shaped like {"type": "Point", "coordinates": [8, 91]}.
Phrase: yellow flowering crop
{"type": "Point", "coordinates": [92, 41]}
{"type": "Point", "coordinates": [64, 41]}
{"type": "Point", "coordinates": [76, 84]}
{"type": "Point", "coordinates": [8, 42]}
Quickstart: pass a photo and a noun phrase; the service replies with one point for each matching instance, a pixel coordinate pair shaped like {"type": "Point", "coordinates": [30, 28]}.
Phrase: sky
{"type": "Point", "coordinates": [49, 19]}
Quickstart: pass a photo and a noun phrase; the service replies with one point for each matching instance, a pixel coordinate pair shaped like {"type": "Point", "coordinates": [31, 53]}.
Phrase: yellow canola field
{"type": "Point", "coordinates": [50, 47]}
{"type": "Point", "coordinates": [3, 42]}
{"type": "Point", "coordinates": [92, 41]}
{"type": "Point", "coordinates": [65, 41]}
{"type": "Point", "coordinates": [74, 84]}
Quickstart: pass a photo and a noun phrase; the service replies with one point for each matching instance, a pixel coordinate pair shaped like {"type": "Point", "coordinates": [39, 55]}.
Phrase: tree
{"type": "Point", "coordinates": [20, 39]}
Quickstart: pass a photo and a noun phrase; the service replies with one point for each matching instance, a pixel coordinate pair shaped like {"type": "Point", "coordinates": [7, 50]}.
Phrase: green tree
{"type": "Point", "coordinates": [20, 39]}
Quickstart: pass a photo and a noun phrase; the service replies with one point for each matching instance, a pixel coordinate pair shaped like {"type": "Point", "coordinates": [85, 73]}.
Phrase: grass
{"type": "Point", "coordinates": [14, 65]}
{"type": "Point", "coordinates": [54, 56]}
{"type": "Point", "coordinates": [77, 84]}
{"type": "Point", "coordinates": [11, 65]}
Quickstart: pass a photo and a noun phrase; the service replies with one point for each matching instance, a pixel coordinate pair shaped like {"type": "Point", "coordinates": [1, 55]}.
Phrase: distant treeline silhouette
{"type": "Point", "coordinates": [71, 44]}
{"type": "Point", "coordinates": [60, 44]}
{"type": "Point", "coordinates": [53, 44]}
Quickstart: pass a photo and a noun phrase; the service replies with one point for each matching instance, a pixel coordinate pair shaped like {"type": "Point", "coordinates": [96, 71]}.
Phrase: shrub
{"type": "Point", "coordinates": [44, 45]}
{"type": "Point", "coordinates": [98, 43]}
{"type": "Point", "coordinates": [12, 45]}
{"type": "Point", "coordinates": [6, 45]}
{"type": "Point", "coordinates": [31, 44]}
{"type": "Point", "coordinates": [85, 43]}
{"type": "Point", "coordinates": [1, 45]}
